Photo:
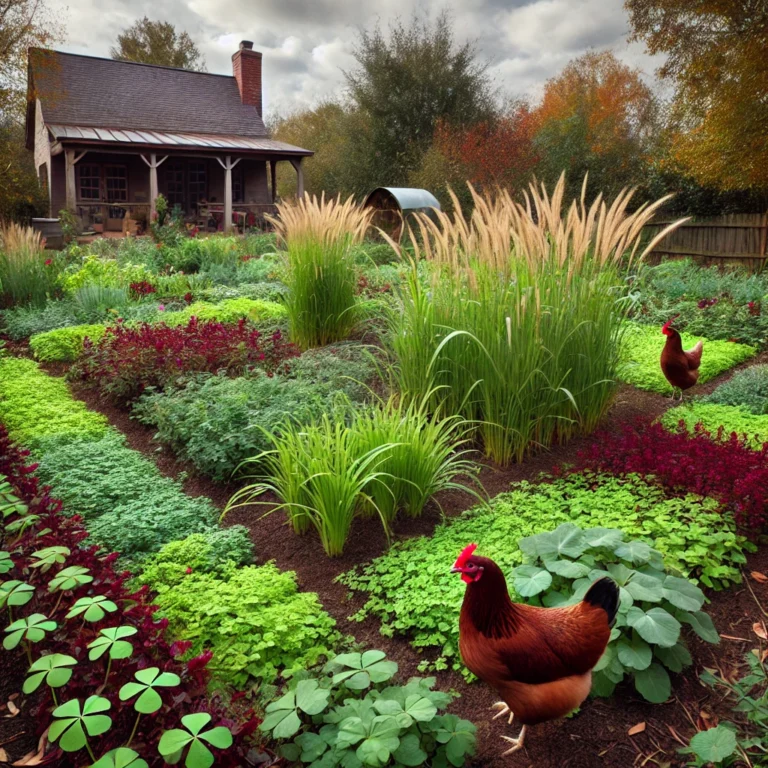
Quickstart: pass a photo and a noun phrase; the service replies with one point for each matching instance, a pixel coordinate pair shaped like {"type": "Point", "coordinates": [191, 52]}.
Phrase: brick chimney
{"type": "Point", "coordinates": [246, 67]}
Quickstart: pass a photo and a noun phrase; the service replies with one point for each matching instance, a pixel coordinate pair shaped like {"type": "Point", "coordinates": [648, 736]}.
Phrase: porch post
{"type": "Point", "coordinates": [296, 163]}
{"type": "Point", "coordinates": [273, 175]}
{"type": "Point", "coordinates": [153, 164]}
{"type": "Point", "coordinates": [228, 166]}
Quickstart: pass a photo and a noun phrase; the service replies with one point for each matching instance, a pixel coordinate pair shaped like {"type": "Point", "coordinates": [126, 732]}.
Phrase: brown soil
{"type": "Point", "coordinates": [597, 736]}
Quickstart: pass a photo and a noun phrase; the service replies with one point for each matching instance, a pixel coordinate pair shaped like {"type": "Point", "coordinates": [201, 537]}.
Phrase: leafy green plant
{"type": "Point", "coordinates": [34, 405]}
{"type": "Point", "coordinates": [641, 351]}
{"type": "Point", "coordinates": [94, 301]}
{"type": "Point", "coordinates": [173, 743]}
{"type": "Point", "coordinates": [15, 593]}
{"type": "Point", "coordinates": [70, 578]}
{"type": "Point", "coordinates": [348, 715]}
{"type": "Point", "coordinates": [147, 680]}
{"type": "Point", "coordinates": [54, 669]}
{"type": "Point", "coordinates": [411, 592]}
{"type": "Point", "coordinates": [230, 311]}
{"type": "Point", "coordinates": [31, 628]}
{"type": "Point", "coordinates": [217, 422]}
{"type": "Point", "coordinates": [560, 567]}
{"type": "Point", "coordinates": [92, 608]}
{"type": "Point", "coordinates": [45, 559]}
{"type": "Point", "coordinates": [121, 757]}
{"type": "Point", "coordinates": [254, 620]}
{"type": "Point", "coordinates": [112, 641]}
{"type": "Point", "coordinates": [715, 746]}
{"type": "Point", "coordinates": [97, 271]}
{"type": "Point", "coordinates": [747, 388]}
{"type": "Point", "coordinates": [719, 420]}
{"type": "Point", "coordinates": [22, 321]}
{"type": "Point", "coordinates": [73, 723]}
{"type": "Point", "coordinates": [64, 344]}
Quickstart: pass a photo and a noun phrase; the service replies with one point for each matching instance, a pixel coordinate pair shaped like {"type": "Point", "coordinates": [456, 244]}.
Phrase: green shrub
{"type": "Point", "coordinates": [64, 344]}
{"type": "Point", "coordinates": [411, 591]}
{"type": "Point", "coordinates": [730, 418]}
{"type": "Point", "coordinates": [218, 422]}
{"type": "Point", "coordinates": [127, 504]}
{"type": "Point", "coordinates": [108, 273]}
{"type": "Point", "coordinates": [561, 565]}
{"type": "Point", "coordinates": [342, 367]}
{"type": "Point", "coordinates": [94, 302]}
{"type": "Point", "coordinates": [258, 244]}
{"type": "Point", "coordinates": [22, 322]}
{"type": "Point", "coordinates": [641, 353]}
{"type": "Point", "coordinates": [369, 252]}
{"type": "Point", "coordinates": [229, 311]}
{"type": "Point", "coordinates": [213, 552]}
{"type": "Point", "coordinates": [255, 621]}
{"type": "Point", "coordinates": [334, 711]}
{"type": "Point", "coordinates": [34, 406]}
{"type": "Point", "coordinates": [747, 388]}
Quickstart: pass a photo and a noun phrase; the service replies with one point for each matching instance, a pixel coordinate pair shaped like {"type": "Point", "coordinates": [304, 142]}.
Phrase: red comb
{"type": "Point", "coordinates": [665, 327]}
{"type": "Point", "coordinates": [466, 553]}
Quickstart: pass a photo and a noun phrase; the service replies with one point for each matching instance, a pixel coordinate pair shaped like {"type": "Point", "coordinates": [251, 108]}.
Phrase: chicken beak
{"type": "Point", "coordinates": [454, 569]}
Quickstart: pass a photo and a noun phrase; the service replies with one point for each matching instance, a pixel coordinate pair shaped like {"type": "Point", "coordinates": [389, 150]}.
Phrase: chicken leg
{"type": "Point", "coordinates": [516, 743]}
{"type": "Point", "coordinates": [504, 709]}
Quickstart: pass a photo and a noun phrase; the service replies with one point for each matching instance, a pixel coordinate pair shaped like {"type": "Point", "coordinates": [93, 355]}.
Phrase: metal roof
{"type": "Point", "coordinates": [409, 199]}
{"type": "Point", "coordinates": [174, 140]}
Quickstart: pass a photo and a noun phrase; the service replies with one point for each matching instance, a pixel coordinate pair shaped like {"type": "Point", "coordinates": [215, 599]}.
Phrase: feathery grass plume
{"type": "Point", "coordinates": [26, 276]}
{"type": "Point", "coordinates": [519, 322]}
{"type": "Point", "coordinates": [319, 234]}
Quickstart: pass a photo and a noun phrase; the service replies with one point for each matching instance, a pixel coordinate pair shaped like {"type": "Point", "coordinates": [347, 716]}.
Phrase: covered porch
{"type": "Point", "coordinates": [111, 179]}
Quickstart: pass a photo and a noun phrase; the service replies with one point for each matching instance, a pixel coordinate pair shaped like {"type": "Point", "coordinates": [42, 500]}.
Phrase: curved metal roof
{"type": "Point", "coordinates": [409, 199]}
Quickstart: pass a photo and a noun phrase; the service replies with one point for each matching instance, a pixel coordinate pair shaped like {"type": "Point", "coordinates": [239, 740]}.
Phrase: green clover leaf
{"type": "Point", "coordinates": [70, 578]}
{"type": "Point", "coordinates": [172, 743]}
{"type": "Point", "coordinates": [122, 757]}
{"type": "Point", "coordinates": [15, 592]}
{"type": "Point", "coordinates": [363, 669]}
{"type": "Point", "coordinates": [10, 504]}
{"type": "Point", "coordinates": [149, 701]}
{"type": "Point", "coordinates": [282, 716]}
{"type": "Point", "coordinates": [73, 723]}
{"type": "Point", "coordinates": [93, 608]}
{"type": "Point", "coordinates": [21, 525]}
{"type": "Point", "coordinates": [32, 628]}
{"type": "Point", "coordinates": [53, 668]}
{"type": "Point", "coordinates": [111, 641]}
{"type": "Point", "coordinates": [48, 557]}
{"type": "Point", "coordinates": [6, 564]}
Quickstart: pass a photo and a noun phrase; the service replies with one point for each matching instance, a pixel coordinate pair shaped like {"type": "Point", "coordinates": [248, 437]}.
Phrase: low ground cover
{"type": "Point", "coordinates": [720, 421]}
{"type": "Point", "coordinates": [641, 350]}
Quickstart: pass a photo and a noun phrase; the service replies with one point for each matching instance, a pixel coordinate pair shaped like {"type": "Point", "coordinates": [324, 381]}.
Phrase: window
{"type": "Point", "coordinates": [116, 183]}
{"type": "Point", "coordinates": [238, 185]}
{"type": "Point", "coordinates": [174, 184]}
{"type": "Point", "coordinates": [198, 184]}
{"type": "Point", "coordinates": [90, 182]}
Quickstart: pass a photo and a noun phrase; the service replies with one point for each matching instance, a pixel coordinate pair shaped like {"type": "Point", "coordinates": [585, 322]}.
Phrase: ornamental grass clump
{"type": "Point", "coordinates": [26, 275]}
{"type": "Point", "coordinates": [518, 324]}
{"type": "Point", "coordinates": [320, 267]}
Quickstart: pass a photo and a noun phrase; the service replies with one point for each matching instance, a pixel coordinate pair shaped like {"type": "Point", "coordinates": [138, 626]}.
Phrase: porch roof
{"type": "Point", "coordinates": [143, 139]}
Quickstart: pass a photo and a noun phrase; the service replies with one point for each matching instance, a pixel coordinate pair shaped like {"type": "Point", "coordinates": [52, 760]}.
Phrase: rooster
{"type": "Point", "coordinates": [680, 368]}
{"type": "Point", "coordinates": [539, 660]}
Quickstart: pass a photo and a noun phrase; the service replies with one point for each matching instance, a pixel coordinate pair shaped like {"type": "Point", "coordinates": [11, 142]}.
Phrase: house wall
{"type": "Point", "coordinates": [58, 185]}
{"type": "Point", "coordinates": [42, 150]}
{"type": "Point", "coordinates": [256, 186]}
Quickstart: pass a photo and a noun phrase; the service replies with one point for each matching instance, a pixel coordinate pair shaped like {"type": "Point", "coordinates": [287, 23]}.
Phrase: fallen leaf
{"type": "Point", "coordinates": [13, 709]}
{"type": "Point", "coordinates": [3, 756]}
{"type": "Point", "coordinates": [676, 736]}
{"type": "Point", "coordinates": [759, 577]}
{"type": "Point", "coordinates": [635, 729]}
{"type": "Point", "coordinates": [759, 629]}
{"type": "Point", "coordinates": [37, 757]}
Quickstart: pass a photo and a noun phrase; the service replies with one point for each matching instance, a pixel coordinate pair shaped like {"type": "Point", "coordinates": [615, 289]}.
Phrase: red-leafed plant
{"type": "Point", "coordinates": [41, 549]}
{"type": "Point", "coordinates": [127, 360]}
{"type": "Point", "coordinates": [725, 468]}
{"type": "Point", "coordinates": [141, 289]}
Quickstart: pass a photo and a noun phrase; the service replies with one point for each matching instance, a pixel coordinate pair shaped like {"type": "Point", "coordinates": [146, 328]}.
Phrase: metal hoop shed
{"type": "Point", "coordinates": [394, 204]}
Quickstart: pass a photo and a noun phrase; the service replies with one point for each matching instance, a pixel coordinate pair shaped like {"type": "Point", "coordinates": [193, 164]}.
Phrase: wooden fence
{"type": "Point", "coordinates": [740, 238]}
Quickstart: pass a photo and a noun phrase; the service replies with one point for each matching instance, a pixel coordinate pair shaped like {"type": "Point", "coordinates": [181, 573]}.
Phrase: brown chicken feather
{"type": "Point", "coordinates": [680, 367]}
{"type": "Point", "coordinates": [538, 659]}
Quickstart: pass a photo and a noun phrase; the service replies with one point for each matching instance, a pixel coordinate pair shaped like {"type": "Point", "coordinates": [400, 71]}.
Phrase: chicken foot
{"type": "Point", "coordinates": [516, 743]}
{"type": "Point", "coordinates": [504, 709]}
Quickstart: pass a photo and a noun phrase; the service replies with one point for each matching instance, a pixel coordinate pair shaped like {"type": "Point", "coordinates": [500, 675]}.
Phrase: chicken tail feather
{"type": "Point", "coordinates": [604, 594]}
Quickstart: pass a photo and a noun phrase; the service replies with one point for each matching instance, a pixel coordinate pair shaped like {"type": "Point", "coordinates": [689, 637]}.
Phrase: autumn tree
{"type": "Point", "coordinates": [407, 81]}
{"type": "Point", "coordinates": [717, 59]}
{"type": "Point", "coordinates": [157, 42]}
{"type": "Point", "coordinates": [598, 117]}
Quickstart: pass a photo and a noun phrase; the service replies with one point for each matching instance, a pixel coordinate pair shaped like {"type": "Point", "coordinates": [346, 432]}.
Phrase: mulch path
{"type": "Point", "coordinates": [597, 736]}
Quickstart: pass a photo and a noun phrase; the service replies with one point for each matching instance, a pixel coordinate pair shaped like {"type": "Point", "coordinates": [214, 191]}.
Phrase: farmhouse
{"type": "Point", "coordinates": [108, 136]}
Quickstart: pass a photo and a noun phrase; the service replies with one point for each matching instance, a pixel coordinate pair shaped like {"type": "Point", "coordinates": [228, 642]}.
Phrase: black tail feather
{"type": "Point", "coordinates": [604, 593]}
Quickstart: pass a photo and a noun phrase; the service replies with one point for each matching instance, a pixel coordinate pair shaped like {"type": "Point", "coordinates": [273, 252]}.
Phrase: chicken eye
{"type": "Point", "coordinates": [471, 566]}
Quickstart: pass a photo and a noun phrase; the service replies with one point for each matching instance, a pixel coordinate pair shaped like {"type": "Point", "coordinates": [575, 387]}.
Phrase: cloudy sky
{"type": "Point", "coordinates": [307, 43]}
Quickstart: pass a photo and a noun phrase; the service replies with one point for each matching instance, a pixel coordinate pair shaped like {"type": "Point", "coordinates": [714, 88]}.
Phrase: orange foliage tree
{"type": "Point", "coordinates": [717, 57]}
{"type": "Point", "coordinates": [597, 116]}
